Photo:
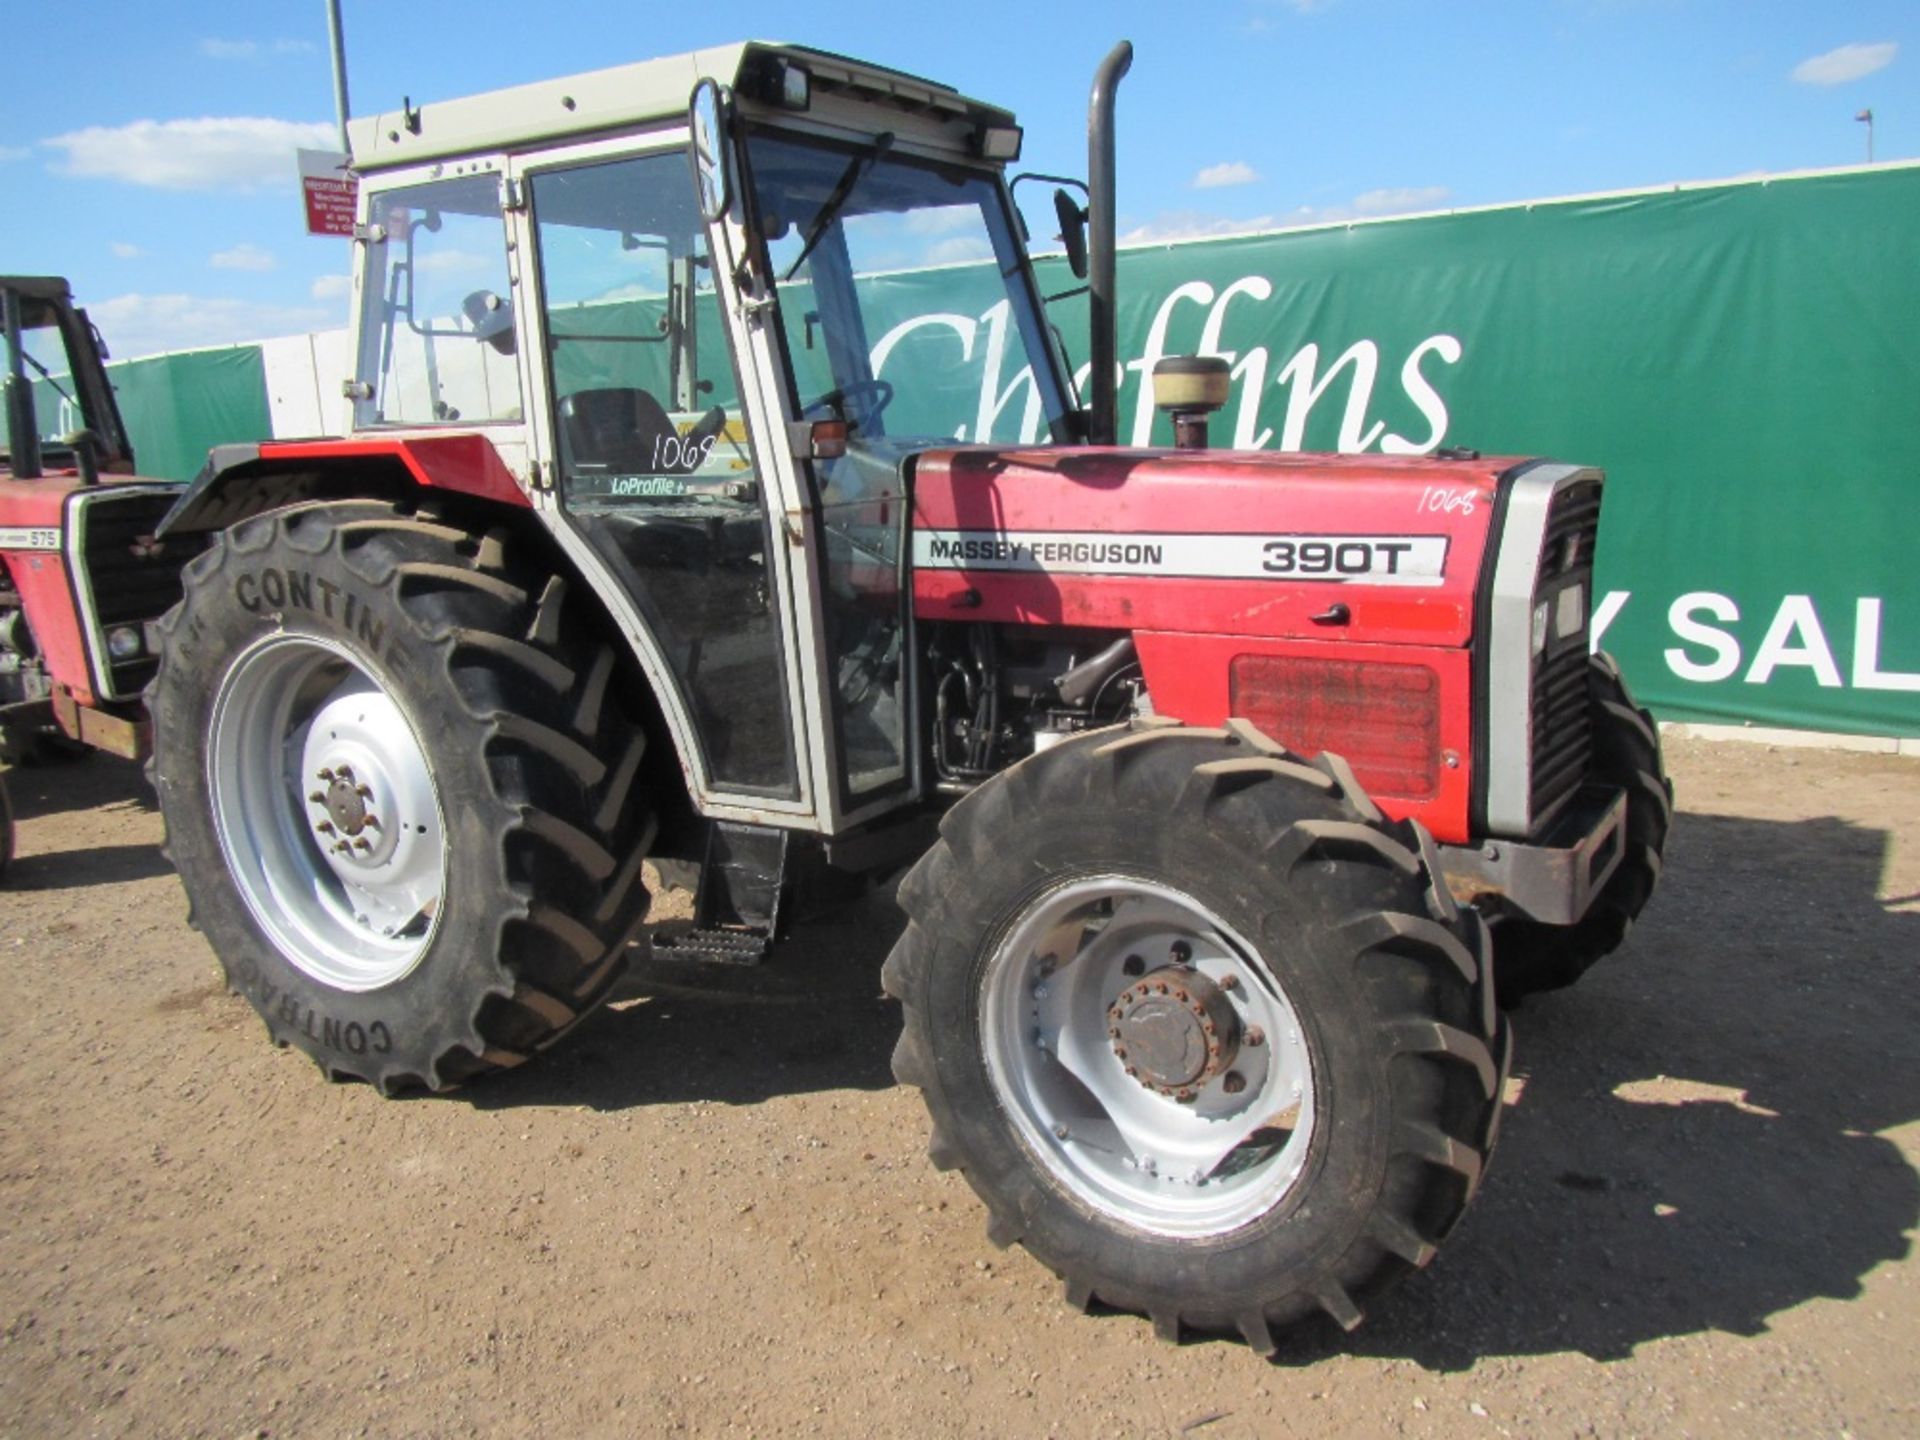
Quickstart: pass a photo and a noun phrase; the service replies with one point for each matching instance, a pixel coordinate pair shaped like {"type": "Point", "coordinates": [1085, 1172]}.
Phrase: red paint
{"type": "Point", "coordinates": [42, 579]}
{"type": "Point", "coordinates": [1117, 492]}
{"type": "Point", "coordinates": [1187, 676]}
{"type": "Point", "coordinates": [1189, 631]}
{"type": "Point", "coordinates": [465, 463]}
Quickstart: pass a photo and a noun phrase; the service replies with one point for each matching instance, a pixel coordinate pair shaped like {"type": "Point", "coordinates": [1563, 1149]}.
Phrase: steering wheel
{"type": "Point", "coordinates": [836, 399]}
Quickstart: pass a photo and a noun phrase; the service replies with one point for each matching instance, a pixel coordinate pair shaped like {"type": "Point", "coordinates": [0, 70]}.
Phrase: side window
{"type": "Point", "coordinates": [437, 346]}
{"type": "Point", "coordinates": [657, 467]}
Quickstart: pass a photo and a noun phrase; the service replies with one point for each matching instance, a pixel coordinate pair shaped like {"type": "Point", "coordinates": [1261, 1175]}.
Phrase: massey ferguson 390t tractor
{"type": "Point", "coordinates": [1231, 783]}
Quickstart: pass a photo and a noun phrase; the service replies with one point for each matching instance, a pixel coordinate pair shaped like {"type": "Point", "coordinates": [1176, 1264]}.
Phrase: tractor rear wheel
{"type": "Point", "coordinates": [6, 826]}
{"type": "Point", "coordinates": [1207, 1035]}
{"type": "Point", "coordinates": [1530, 957]}
{"type": "Point", "coordinates": [399, 789]}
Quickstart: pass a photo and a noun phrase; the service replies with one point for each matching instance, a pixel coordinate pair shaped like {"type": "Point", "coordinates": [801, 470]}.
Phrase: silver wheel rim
{"type": "Point", "coordinates": [326, 812]}
{"type": "Point", "coordinates": [1083, 961]}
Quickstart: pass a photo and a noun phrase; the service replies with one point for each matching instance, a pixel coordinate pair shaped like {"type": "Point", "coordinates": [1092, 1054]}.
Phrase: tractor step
{"type": "Point", "coordinates": [736, 908]}
{"type": "Point", "coordinates": [713, 946]}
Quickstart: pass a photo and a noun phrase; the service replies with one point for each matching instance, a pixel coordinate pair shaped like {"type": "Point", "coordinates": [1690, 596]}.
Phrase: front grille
{"type": "Point", "coordinates": [130, 577]}
{"type": "Point", "coordinates": [1561, 719]}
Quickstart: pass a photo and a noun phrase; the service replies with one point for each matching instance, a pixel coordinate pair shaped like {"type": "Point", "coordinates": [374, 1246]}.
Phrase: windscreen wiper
{"type": "Point", "coordinates": [48, 376]}
{"type": "Point", "coordinates": [850, 177]}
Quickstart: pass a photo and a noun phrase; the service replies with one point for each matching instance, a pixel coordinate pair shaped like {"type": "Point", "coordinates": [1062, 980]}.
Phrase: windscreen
{"type": "Point", "coordinates": [903, 294]}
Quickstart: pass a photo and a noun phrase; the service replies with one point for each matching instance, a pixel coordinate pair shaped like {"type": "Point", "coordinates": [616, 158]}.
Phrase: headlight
{"type": "Point", "coordinates": [1539, 627]}
{"type": "Point", "coordinates": [124, 642]}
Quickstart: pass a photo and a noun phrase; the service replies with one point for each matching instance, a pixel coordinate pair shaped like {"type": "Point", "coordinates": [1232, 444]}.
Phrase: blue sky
{"type": "Point", "coordinates": [145, 148]}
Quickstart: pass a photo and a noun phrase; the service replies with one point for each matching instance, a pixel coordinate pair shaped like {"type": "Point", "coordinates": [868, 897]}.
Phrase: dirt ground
{"type": "Point", "coordinates": [709, 1212]}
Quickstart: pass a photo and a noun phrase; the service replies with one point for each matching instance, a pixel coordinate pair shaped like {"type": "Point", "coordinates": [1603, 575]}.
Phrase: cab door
{"type": "Point", "coordinates": [659, 476]}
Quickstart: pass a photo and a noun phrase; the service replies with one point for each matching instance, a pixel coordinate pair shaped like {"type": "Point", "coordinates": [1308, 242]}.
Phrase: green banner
{"type": "Point", "coordinates": [1742, 359]}
{"type": "Point", "coordinates": [177, 407]}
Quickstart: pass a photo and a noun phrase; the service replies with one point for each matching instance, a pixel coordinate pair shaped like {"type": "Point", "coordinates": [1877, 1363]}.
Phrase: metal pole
{"type": "Point", "coordinates": [339, 46]}
{"type": "Point", "coordinates": [1866, 117]}
{"type": "Point", "coordinates": [1103, 391]}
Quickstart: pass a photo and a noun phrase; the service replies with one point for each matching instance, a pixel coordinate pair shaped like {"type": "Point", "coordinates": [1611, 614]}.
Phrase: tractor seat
{"type": "Point", "coordinates": [620, 429]}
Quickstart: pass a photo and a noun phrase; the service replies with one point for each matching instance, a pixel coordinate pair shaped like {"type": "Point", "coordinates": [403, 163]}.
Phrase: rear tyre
{"type": "Point", "coordinates": [1530, 957]}
{"type": "Point", "coordinates": [1203, 1031]}
{"type": "Point", "coordinates": [399, 789]}
{"type": "Point", "coordinates": [6, 827]}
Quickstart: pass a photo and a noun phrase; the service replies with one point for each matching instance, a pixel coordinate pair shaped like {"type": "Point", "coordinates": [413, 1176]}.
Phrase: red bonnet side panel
{"type": "Point", "coordinates": [1209, 542]}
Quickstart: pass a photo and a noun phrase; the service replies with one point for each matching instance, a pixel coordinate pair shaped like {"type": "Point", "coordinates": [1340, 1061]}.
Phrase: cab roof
{"type": "Point", "coordinates": [627, 97]}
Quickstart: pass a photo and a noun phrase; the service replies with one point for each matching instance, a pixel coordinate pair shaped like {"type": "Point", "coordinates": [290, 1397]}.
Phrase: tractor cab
{"type": "Point", "coordinates": [708, 338]}
{"type": "Point", "coordinates": [60, 411]}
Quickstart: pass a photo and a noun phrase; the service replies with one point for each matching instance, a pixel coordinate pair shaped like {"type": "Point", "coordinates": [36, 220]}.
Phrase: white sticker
{"type": "Point", "coordinates": [1349, 559]}
{"type": "Point", "coordinates": [29, 537]}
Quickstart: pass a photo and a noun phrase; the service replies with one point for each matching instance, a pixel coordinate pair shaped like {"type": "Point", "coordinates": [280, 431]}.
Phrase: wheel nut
{"type": "Point", "coordinates": [1255, 1035]}
{"type": "Point", "coordinates": [360, 843]}
{"type": "Point", "coordinates": [319, 797]}
{"type": "Point", "coordinates": [364, 792]}
{"type": "Point", "coordinates": [323, 775]}
{"type": "Point", "coordinates": [345, 772]}
{"type": "Point", "coordinates": [1233, 1082]}
{"type": "Point", "coordinates": [325, 827]}
{"type": "Point", "coordinates": [1229, 982]}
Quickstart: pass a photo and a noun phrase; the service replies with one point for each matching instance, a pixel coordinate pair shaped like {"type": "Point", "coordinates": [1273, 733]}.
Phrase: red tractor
{"type": "Point", "coordinates": [676, 521]}
{"type": "Point", "coordinates": [82, 575]}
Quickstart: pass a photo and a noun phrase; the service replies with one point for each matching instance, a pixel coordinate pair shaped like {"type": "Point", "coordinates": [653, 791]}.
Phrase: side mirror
{"type": "Point", "coordinates": [1073, 231]}
{"type": "Point", "coordinates": [707, 116]}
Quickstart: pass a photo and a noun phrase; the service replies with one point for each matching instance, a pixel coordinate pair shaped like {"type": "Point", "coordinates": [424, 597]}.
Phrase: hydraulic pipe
{"type": "Point", "coordinates": [1103, 389]}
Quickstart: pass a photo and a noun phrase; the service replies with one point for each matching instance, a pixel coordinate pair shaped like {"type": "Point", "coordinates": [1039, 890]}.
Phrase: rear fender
{"type": "Point", "coordinates": [243, 480]}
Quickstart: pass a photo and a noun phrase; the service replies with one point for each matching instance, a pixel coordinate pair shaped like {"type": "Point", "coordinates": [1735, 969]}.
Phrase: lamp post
{"type": "Point", "coordinates": [1865, 117]}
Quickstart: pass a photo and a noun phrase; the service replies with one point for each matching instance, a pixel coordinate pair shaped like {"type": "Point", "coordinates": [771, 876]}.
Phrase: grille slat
{"type": "Point", "coordinates": [1562, 726]}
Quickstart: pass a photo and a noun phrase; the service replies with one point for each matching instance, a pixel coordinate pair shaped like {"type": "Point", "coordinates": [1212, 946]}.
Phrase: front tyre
{"type": "Point", "coordinates": [1203, 1031]}
{"type": "Point", "coordinates": [398, 791]}
{"type": "Point", "coordinates": [1530, 957]}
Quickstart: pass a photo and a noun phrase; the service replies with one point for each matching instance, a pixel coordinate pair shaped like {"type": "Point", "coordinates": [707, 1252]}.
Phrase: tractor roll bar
{"type": "Point", "coordinates": [1103, 391]}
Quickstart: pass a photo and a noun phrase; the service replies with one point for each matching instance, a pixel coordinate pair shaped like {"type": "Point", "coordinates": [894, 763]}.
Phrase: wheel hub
{"type": "Point", "coordinates": [346, 804]}
{"type": "Point", "coordinates": [1174, 1030]}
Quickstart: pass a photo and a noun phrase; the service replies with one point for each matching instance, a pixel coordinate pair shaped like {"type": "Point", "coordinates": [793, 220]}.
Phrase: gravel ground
{"type": "Point", "coordinates": [709, 1212]}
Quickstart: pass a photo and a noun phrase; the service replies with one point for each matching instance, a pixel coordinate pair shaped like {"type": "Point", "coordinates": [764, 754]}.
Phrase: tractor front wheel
{"type": "Point", "coordinates": [399, 789]}
{"type": "Point", "coordinates": [1530, 957]}
{"type": "Point", "coordinates": [1207, 1035]}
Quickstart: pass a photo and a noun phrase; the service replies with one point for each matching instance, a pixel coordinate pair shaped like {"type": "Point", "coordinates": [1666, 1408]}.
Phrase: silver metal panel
{"type": "Point", "coordinates": [99, 663]}
{"type": "Point", "coordinates": [624, 97]}
{"type": "Point", "coordinates": [1509, 758]}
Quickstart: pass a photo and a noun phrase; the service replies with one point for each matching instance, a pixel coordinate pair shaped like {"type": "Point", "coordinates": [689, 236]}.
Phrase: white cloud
{"type": "Point", "coordinates": [217, 153]}
{"type": "Point", "coordinates": [216, 49]}
{"type": "Point", "coordinates": [1849, 62]}
{"type": "Point", "coordinates": [1401, 201]}
{"type": "Point", "coordinates": [244, 256]}
{"type": "Point", "coordinates": [332, 287]}
{"type": "Point", "coordinates": [959, 249]}
{"type": "Point", "coordinates": [1228, 172]}
{"type": "Point", "coordinates": [147, 324]}
{"type": "Point", "coordinates": [1189, 225]}
{"type": "Point", "coordinates": [454, 262]}
{"type": "Point", "coordinates": [123, 251]}
{"type": "Point", "coordinates": [1192, 225]}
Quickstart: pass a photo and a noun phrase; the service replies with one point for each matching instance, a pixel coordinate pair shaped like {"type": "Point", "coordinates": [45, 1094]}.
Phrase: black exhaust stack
{"type": "Point", "coordinates": [1103, 390]}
